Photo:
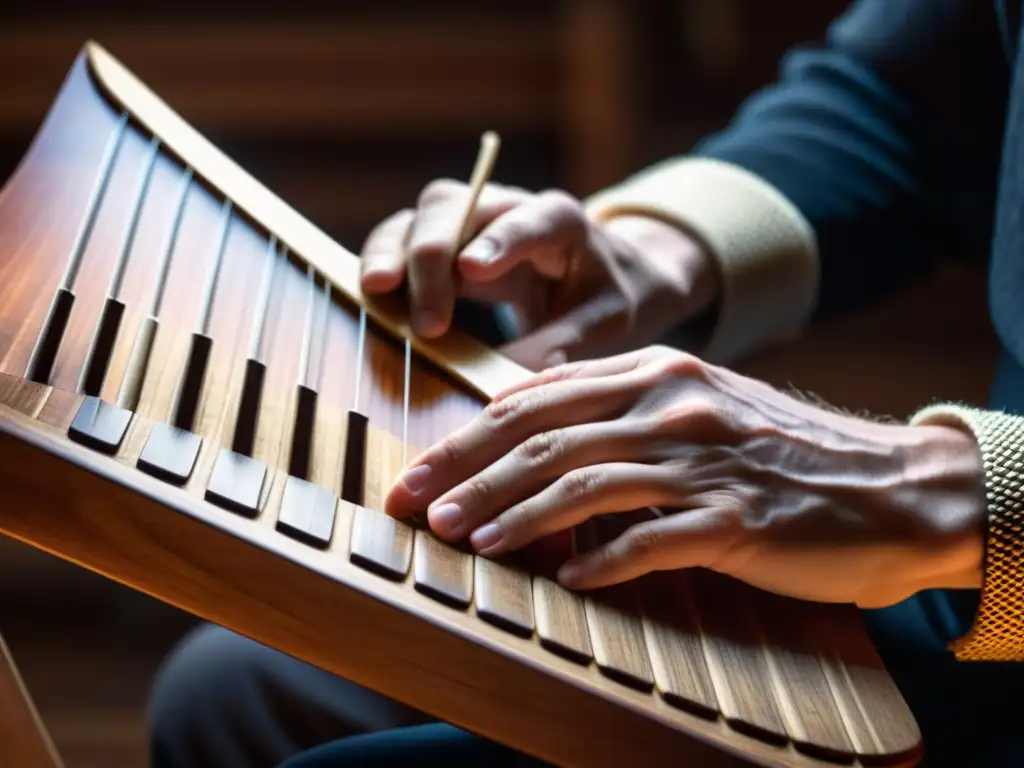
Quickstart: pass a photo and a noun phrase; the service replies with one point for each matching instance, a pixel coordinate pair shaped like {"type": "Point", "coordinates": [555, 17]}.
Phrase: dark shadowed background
{"type": "Point", "coordinates": [347, 114]}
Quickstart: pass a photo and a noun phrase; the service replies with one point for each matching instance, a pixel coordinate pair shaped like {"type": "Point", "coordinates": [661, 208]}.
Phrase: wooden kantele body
{"type": "Point", "coordinates": [184, 418]}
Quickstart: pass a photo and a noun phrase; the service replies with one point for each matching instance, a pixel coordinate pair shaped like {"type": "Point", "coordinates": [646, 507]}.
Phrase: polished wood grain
{"type": "Point", "coordinates": [561, 620]}
{"type": "Point", "coordinates": [676, 643]}
{"type": "Point", "coordinates": [737, 660]}
{"type": "Point", "coordinates": [287, 574]}
{"type": "Point", "coordinates": [617, 637]}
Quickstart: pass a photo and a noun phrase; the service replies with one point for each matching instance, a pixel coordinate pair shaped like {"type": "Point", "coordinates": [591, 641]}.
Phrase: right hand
{"type": "Point", "coordinates": [579, 288]}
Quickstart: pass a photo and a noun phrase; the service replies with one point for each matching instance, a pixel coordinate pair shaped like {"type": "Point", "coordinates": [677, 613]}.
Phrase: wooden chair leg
{"type": "Point", "coordinates": [24, 740]}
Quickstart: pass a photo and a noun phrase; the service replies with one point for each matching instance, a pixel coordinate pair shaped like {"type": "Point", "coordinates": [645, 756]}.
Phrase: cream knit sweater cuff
{"type": "Point", "coordinates": [997, 633]}
{"type": "Point", "coordinates": [765, 250]}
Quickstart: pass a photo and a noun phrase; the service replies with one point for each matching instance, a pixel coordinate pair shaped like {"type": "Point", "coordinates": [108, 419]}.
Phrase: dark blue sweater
{"type": "Point", "coordinates": [888, 138]}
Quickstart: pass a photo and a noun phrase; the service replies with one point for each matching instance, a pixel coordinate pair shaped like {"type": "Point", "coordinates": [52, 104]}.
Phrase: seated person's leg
{"type": "Point", "coordinates": [223, 700]}
{"type": "Point", "coordinates": [423, 745]}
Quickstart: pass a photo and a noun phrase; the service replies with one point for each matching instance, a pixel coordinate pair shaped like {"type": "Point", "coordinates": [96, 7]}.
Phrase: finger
{"type": "Point", "coordinates": [588, 331]}
{"type": "Point", "coordinates": [432, 243]}
{"type": "Point", "coordinates": [601, 489]}
{"type": "Point", "coordinates": [382, 263]}
{"type": "Point", "coordinates": [499, 429]}
{"type": "Point", "coordinates": [545, 232]}
{"type": "Point", "coordinates": [625, 362]}
{"type": "Point", "coordinates": [529, 467]}
{"type": "Point", "coordinates": [690, 539]}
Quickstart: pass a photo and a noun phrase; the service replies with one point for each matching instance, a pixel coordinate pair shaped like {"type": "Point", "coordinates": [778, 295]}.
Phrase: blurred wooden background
{"type": "Point", "coordinates": [347, 113]}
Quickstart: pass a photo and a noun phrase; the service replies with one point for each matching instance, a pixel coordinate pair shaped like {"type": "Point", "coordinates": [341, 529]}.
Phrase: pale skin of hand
{"type": "Point", "coordinates": [580, 288]}
{"type": "Point", "coordinates": [754, 483]}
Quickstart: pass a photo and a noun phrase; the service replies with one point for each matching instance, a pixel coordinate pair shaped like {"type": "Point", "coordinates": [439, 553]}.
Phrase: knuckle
{"type": "Point", "coordinates": [520, 406]}
{"type": "Point", "coordinates": [543, 448]}
{"type": "Point", "coordinates": [431, 258]}
{"type": "Point", "coordinates": [513, 230]}
{"type": "Point", "coordinates": [696, 415]}
{"type": "Point", "coordinates": [641, 543]}
{"type": "Point", "coordinates": [680, 366]}
{"type": "Point", "coordinates": [563, 209]}
{"type": "Point", "coordinates": [450, 450]}
{"type": "Point", "coordinates": [524, 517]}
{"type": "Point", "coordinates": [561, 201]}
{"type": "Point", "coordinates": [439, 191]}
{"type": "Point", "coordinates": [580, 483]}
{"type": "Point", "coordinates": [477, 489]}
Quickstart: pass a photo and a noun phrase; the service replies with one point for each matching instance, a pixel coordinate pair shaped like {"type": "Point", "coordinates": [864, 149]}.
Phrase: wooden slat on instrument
{"type": "Point", "coordinates": [383, 464]}
{"type": "Point", "coordinates": [59, 409]}
{"type": "Point", "coordinates": [18, 394]}
{"type": "Point", "coordinates": [676, 644]}
{"type": "Point", "coordinates": [617, 636]}
{"type": "Point", "coordinates": [802, 688]}
{"type": "Point", "coordinates": [736, 657]}
{"type": "Point", "coordinates": [504, 596]}
{"type": "Point", "coordinates": [381, 543]}
{"type": "Point", "coordinates": [561, 620]}
{"type": "Point", "coordinates": [442, 571]}
{"type": "Point", "coordinates": [613, 615]}
{"type": "Point", "coordinates": [877, 717]}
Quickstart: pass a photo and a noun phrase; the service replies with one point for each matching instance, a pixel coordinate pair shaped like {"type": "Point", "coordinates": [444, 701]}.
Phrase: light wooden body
{"type": "Point", "coordinates": [798, 684]}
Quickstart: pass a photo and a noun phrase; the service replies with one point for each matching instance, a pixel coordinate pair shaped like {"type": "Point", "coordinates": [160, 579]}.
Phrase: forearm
{"type": "Point", "coordinates": [830, 187]}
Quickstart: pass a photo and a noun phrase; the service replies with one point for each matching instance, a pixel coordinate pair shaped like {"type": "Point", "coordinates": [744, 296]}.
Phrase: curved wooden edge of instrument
{"type": "Point", "coordinates": [474, 364]}
{"type": "Point", "coordinates": [24, 739]}
{"type": "Point", "coordinates": [104, 516]}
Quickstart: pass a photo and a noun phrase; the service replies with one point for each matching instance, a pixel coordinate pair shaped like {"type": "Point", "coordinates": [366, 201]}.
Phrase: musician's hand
{"type": "Point", "coordinates": [579, 289]}
{"type": "Point", "coordinates": [754, 483]}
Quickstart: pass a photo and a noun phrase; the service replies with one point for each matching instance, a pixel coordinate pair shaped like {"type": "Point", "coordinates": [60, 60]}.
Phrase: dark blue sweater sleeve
{"type": "Point", "coordinates": [886, 136]}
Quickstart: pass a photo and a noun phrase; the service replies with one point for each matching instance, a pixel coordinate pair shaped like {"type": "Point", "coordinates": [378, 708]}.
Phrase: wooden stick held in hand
{"type": "Point", "coordinates": [490, 143]}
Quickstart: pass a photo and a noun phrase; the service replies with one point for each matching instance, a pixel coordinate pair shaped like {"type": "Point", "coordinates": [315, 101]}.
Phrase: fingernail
{"type": "Point", "coordinates": [482, 251]}
{"type": "Point", "coordinates": [416, 478]}
{"type": "Point", "coordinates": [486, 537]}
{"type": "Point", "coordinates": [446, 519]}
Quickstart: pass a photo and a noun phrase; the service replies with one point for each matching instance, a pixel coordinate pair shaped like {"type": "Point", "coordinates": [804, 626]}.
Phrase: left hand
{"type": "Point", "coordinates": [756, 484]}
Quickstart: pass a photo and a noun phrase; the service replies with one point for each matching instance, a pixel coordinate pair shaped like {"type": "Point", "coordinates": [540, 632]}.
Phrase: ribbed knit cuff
{"type": "Point", "coordinates": [997, 633]}
{"type": "Point", "coordinates": [765, 250]}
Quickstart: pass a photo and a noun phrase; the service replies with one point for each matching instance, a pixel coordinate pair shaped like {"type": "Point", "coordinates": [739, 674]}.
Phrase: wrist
{"type": "Point", "coordinates": [671, 254]}
{"type": "Point", "coordinates": [946, 474]}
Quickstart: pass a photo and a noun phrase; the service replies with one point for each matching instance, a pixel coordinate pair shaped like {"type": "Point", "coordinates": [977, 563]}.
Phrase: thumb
{"type": "Point", "coordinates": [596, 327]}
